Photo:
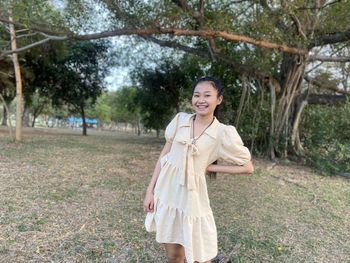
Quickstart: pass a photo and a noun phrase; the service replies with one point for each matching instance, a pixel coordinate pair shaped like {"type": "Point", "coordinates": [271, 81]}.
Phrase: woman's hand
{"type": "Point", "coordinates": [210, 169]}
{"type": "Point", "coordinates": [148, 202]}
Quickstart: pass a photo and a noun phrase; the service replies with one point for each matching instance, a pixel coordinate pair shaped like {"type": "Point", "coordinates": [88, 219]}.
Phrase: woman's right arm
{"type": "Point", "coordinates": [148, 203]}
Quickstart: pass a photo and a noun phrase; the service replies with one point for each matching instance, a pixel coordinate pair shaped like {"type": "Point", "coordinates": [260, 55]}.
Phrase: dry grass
{"type": "Point", "coordinates": [68, 198]}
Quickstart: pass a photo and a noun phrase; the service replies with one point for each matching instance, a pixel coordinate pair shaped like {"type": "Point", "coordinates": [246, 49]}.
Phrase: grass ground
{"type": "Point", "coordinates": [68, 198]}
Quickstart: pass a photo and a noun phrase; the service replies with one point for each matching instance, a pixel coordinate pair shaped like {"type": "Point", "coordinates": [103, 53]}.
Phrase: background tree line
{"type": "Point", "coordinates": [278, 60]}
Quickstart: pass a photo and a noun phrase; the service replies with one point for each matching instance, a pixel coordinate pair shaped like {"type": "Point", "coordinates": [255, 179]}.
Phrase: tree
{"type": "Point", "coordinates": [101, 110]}
{"type": "Point", "coordinates": [38, 105]}
{"type": "Point", "coordinates": [299, 27]}
{"type": "Point", "coordinates": [17, 77]}
{"type": "Point", "coordinates": [77, 79]}
{"type": "Point", "coordinates": [66, 74]}
{"type": "Point", "coordinates": [7, 87]}
{"type": "Point", "coordinates": [14, 10]}
{"type": "Point", "coordinates": [268, 43]}
{"type": "Point", "coordinates": [125, 107]}
{"type": "Point", "coordinates": [159, 92]}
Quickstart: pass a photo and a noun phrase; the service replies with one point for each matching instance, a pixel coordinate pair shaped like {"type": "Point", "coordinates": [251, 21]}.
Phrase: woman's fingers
{"type": "Point", "coordinates": [151, 206]}
{"type": "Point", "coordinates": [148, 206]}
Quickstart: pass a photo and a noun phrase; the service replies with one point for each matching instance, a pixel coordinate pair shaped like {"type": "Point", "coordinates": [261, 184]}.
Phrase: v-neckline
{"type": "Point", "coordinates": [192, 138]}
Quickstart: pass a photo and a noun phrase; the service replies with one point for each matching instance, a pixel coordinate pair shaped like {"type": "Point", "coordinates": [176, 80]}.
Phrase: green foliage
{"type": "Point", "coordinates": [66, 74]}
{"type": "Point", "coordinates": [159, 93]}
{"type": "Point", "coordinates": [166, 88]}
{"type": "Point", "coordinates": [7, 81]}
{"type": "Point", "coordinates": [38, 105]}
{"type": "Point", "coordinates": [74, 78]}
{"type": "Point", "coordinates": [325, 134]}
{"type": "Point", "coordinates": [124, 105]}
{"type": "Point", "coordinates": [40, 13]}
{"type": "Point", "coordinates": [102, 109]}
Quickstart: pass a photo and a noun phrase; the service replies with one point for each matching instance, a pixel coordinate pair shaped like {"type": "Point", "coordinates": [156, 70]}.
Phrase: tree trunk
{"type": "Point", "coordinates": [292, 70]}
{"type": "Point", "coordinates": [4, 116]}
{"type": "Point", "coordinates": [242, 100]}
{"type": "Point", "coordinates": [7, 112]}
{"type": "Point", "coordinates": [138, 127]}
{"type": "Point", "coordinates": [18, 81]}
{"type": "Point", "coordinates": [25, 119]}
{"type": "Point", "coordinates": [295, 140]}
{"type": "Point", "coordinates": [36, 112]}
{"type": "Point", "coordinates": [271, 148]}
{"type": "Point", "coordinates": [84, 121]}
{"type": "Point", "coordinates": [33, 121]}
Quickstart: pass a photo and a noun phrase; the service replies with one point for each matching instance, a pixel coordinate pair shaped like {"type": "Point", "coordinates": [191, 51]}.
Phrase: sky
{"type": "Point", "coordinates": [118, 78]}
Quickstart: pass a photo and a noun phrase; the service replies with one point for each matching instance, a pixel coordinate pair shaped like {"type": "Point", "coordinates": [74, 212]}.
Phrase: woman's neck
{"type": "Point", "coordinates": [204, 120]}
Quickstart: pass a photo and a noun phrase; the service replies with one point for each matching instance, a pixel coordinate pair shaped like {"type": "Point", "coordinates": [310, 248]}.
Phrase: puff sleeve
{"type": "Point", "coordinates": [170, 130]}
{"type": "Point", "coordinates": [231, 148]}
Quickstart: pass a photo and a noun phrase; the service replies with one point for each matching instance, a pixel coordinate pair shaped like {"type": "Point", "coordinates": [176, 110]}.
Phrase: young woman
{"type": "Point", "coordinates": [177, 199]}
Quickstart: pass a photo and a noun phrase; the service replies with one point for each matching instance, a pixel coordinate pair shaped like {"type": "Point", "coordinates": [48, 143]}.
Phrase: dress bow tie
{"type": "Point", "coordinates": [188, 163]}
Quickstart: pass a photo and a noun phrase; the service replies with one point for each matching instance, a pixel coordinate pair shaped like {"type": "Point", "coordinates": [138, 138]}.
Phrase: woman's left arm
{"type": "Point", "coordinates": [246, 168]}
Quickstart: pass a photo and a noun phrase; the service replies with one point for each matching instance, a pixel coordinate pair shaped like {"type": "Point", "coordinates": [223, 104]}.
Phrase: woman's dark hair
{"type": "Point", "coordinates": [220, 89]}
{"type": "Point", "coordinates": [216, 84]}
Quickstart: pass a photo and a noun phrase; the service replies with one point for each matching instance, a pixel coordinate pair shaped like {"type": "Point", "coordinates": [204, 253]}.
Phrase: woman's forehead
{"type": "Point", "coordinates": [203, 87]}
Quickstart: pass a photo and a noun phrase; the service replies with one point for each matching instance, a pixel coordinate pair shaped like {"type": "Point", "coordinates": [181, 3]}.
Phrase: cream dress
{"type": "Point", "coordinates": [182, 212]}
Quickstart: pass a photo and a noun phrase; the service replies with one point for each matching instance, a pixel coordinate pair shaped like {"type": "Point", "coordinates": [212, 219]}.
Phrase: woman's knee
{"type": "Point", "coordinates": [175, 253]}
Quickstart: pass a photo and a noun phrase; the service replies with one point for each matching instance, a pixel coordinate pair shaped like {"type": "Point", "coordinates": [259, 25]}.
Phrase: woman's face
{"type": "Point", "coordinates": [205, 98]}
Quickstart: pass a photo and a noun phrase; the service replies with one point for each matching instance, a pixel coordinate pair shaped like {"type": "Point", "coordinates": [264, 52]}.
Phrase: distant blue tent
{"type": "Point", "coordinates": [74, 120]}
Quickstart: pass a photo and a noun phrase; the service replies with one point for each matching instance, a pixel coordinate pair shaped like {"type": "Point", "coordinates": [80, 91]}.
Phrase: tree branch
{"type": "Point", "coordinates": [321, 7]}
{"type": "Point", "coordinates": [181, 32]}
{"type": "Point", "coordinates": [321, 63]}
{"type": "Point", "coordinates": [295, 19]}
{"type": "Point", "coordinates": [236, 67]}
{"type": "Point", "coordinates": [38, 43]}
{"type": "Point", "coordinates": [325, 99]}
{"type": "Point", "coordinates": [199, 33]}
{"type": "Point", "coordinates": [319, 85]}
{"type": "Point", "coordinates": [6, 74]}
{"type": "Point", "coordinates": [27, 35]}
{"type": "Point", "coordinates": [197, 15]}
{"type": "Point", "coordinates": [279, 23]}
{"type": "Point", "coordinates": [328, 59]}
{"type": "Point", "coordinates": [21, 30]}
{"type": "Point", "coordinates": [35, 28]}
{"type": "Point", "coordinates": [331, 38]}
{"type": "Point", "coordinates": [298, 25]}
{"type": "Point", "coordinates": [171, 44]}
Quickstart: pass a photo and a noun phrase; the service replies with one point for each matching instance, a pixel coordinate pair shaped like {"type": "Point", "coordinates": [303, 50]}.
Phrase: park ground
{"type": "Point", "coordinates": [69, 198]}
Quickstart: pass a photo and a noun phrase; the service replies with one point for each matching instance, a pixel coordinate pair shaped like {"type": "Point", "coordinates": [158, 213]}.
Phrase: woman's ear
{"type": "Point", "coordinates": [220, 99]}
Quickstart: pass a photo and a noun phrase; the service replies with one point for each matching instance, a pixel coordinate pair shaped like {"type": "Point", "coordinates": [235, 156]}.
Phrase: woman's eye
{"type": "Point", "coordinates": [207, 96]}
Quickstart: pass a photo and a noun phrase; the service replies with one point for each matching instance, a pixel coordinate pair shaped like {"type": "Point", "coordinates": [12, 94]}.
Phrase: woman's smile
{"type": "Point", "coordinates": [201, 107]}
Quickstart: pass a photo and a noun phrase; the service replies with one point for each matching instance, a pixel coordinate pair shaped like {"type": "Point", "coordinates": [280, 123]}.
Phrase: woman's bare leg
{"type": "Point", "coordinates": [175, 253]}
